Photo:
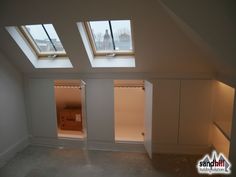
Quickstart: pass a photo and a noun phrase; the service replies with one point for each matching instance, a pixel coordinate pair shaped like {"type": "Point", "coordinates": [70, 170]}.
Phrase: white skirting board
{"type": "Point", "coordinates": [58, 142]}
{"type": "Point", "coordinates": [116, 146]}
{"type": "Point", "coordinates": [13, 150]}
{"type": "Point", "coordinates": [90, 145]}
{"type": "Point", "coordinates": [181, 149]}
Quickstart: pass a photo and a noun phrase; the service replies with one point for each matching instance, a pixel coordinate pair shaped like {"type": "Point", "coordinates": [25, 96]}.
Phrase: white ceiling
{"type": "Point", "coordinates": [161, 45]}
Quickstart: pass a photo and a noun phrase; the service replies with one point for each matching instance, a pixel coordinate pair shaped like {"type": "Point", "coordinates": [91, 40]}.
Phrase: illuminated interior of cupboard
{"type": "Point", "coordinates": [69, 108]}
{"type": "Point", "coordinates": [223, 102]}
{"type": "Point", "coordinates": [129, 98]}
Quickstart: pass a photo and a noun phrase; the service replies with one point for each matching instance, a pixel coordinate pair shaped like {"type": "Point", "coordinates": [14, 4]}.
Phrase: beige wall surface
{"type": "Point", "coordinates": [67, 97]}
{"type": "Point", "coordinates": [129, 113]}
{"type": "Point", "coordinates": [223, 106]}
{"type": "Point", "coordinates": [219, 141]}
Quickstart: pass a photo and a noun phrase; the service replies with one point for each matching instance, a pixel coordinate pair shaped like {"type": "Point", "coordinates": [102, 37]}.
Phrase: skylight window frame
{"type": "Point", "coordinates": [108, 52]}
{"type": "Point", "coordinates": [41, 55]}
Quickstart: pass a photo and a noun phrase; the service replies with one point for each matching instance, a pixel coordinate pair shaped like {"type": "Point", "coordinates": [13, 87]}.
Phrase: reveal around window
{"type": "Point", "coordinates": [41, 45]}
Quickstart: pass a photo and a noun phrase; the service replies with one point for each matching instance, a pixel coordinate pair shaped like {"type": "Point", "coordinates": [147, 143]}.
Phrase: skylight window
{"type": "Point", "coordinates": [112, 37]}
{"type": "Point", "coordinates": [43, 40]}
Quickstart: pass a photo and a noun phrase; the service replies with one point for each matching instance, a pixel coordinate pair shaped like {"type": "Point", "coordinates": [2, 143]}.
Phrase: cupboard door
{"type": "Point", "coordinates": [195, 112]}
{"type": "Point", "coordinates": [148, 117]}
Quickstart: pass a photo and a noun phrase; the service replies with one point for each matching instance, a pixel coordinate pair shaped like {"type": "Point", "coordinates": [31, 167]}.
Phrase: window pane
{"type": "Point", "coordinates": [54, 37]}
{"type": "Point", "coordinates": [101, 35]}
{"type": "Point", "coordinates": [40, 38]}
{"type": "Point", "coordinates": [122, 34]}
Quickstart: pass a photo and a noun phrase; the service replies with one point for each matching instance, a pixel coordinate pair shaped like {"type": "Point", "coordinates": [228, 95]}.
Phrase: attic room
{"type": "Point", "coordinates": [116, 88]}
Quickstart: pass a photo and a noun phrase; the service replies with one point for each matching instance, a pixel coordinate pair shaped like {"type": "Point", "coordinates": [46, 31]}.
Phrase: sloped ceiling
{"type": "Point", "coordinates": [161, 46]}
{"type": "Point", "coordinates": [215, 22]}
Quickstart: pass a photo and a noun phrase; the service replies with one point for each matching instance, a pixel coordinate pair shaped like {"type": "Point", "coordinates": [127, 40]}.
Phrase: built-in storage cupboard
{"type": "Point", "coordinates": [188, 116]}
{"type": "Point", "coordinates": [192, 116]}
{"type": "Point", "coordinates": [183, 116]}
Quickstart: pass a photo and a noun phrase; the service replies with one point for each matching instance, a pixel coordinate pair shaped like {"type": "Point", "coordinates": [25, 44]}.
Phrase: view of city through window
{"type": "Point", "coordinates": [45, 38]}
{"type": "Point", "coordinates": [111, 35]}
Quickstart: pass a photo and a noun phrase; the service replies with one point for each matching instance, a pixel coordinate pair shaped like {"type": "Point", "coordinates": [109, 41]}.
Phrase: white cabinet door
{"type": "Point", "coordinates": [148, 118]}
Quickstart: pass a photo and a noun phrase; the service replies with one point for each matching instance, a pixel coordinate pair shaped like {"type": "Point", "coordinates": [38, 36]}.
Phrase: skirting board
{"type": "Point", "coordinates": [13, 150]}
{"type": "Point", "coordinates": [116, 146]}
{"type": "Point", "coordinates": [58, 142]}
{"type": "Point", "coordinates": [181, 149]}
{"type": "Point", "coordinates": [91, 145]}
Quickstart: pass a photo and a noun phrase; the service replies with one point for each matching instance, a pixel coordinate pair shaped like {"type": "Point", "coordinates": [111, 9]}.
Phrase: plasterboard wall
{"type": "Point", "coordinates": [13, 122]}
{"type": "Point", "coordinates": [42, 108]}
{"type": "Point", "coordinates": [100, 110]}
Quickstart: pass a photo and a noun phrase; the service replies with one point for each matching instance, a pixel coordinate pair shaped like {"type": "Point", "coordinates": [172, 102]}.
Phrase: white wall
{"type": "Point", "coordinates": [129, 113]}
{"type": "Point", "coordinates": [195, 112]}
{"type": "Point", "coordinates": [165, 124]}
{"type": "Point", "coordinates": [42, 108]}
{"type": "Point", "coordinates": [13, 122]}
{"type": "Point", "coordinates": [100, 110]}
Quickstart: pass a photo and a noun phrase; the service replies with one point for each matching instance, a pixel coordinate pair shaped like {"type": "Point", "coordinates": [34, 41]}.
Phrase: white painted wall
{"type": "Point", "coordinates": [42, 108]}
{"type": "Point", "coordinates": [129, 113]}
{"type": "Point", "coordinates": [13, 122]}
{"type": "Point", "coordinates": [195, 112]}
{"type": "Point", "coordinates": [166, 123]}
{"type": "Point", "coordinates": [100, 110]}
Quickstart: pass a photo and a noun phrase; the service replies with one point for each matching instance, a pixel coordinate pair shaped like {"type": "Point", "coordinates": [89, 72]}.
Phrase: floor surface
{"type": "Point", "coordinates": [50, 162]}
